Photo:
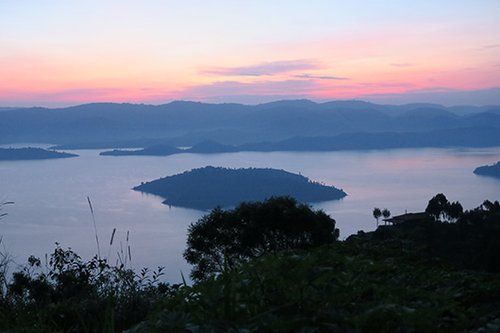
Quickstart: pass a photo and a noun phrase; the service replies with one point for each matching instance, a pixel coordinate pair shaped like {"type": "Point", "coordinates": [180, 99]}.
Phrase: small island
{"type": "Point", "coordinates": [205, 147]}
{"type": "Point", "coordinates": [209, 187]}
{"type": "Point", "coordinates": [29, 153]}
{"type": "Point", "coordinates": [156, 150]}
{"type": "Point", "coordinates": [489, 170]}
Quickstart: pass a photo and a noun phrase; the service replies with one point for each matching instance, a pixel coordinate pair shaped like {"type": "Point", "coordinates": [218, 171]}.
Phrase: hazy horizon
{"type": "Point", "coordinates": [493, 99]}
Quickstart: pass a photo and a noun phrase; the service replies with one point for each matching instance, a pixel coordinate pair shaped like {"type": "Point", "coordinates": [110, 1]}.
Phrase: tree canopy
{"type": "Point", "coordinates": [377, 213]}
{"type": "Point", "coordinates": [441, 209]}
{"type": "Point", "coordinates": [223, 239]}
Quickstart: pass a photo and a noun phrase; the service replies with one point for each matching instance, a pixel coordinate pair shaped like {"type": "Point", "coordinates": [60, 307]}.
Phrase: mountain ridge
{"type": "Point", "coordinates": [187, 123]}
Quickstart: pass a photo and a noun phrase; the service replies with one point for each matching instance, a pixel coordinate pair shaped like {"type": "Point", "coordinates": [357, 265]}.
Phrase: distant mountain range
{"type": "Point", "coordinates": [109, 125]}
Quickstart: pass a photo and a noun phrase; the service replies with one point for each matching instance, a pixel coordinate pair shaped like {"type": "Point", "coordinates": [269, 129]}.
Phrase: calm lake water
{"type": "Point", "coordinates": [51, 196]}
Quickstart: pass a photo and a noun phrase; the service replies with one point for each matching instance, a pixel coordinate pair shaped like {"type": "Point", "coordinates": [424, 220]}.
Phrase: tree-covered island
{"type": "Point", "coordinates": [29, 153]}
{"type": "Point", "coordinates": [489, 170]}
{"type": "Point", "coordinates": [208, 187]}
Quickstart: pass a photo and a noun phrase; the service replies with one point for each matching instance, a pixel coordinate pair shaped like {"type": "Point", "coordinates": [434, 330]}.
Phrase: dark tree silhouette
{"type": "Point", "coordinates": [225, 238]}
{"type": "Point", "coordinates": [436, 206]}
{"type": "Point", "coordinates": [454, 211]}
{"type": "Point", "coordinates": [491, 206]}
{"type": "Point", "coordinates": [441, 209]}
{"type": "Point", "coordinates": [386, 213]}
{"type": "Point", "coordinates": [377, 213]}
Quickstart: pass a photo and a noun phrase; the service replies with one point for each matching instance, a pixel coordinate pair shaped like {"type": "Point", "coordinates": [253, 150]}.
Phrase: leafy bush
{"type": "Point", "coordinates": [68, 294]}
{"type": "Point", "coordinates": [224, 239]}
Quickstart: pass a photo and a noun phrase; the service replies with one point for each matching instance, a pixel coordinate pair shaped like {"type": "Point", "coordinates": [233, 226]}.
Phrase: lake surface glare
{"type": "Point", "coordinates": [51, 196]}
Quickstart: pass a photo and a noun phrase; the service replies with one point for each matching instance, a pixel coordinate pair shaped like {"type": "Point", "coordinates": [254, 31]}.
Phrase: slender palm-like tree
{"type": "Point", "coordinates": [386, 213]}
{"type": "Point", "coordinates": [377, 213]}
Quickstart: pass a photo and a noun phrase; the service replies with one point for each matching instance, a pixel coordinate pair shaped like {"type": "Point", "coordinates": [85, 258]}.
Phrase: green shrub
{"type": "Point", "coordinates": [71, 295]}
{"type": "Point", "coordinates": [224, 239]}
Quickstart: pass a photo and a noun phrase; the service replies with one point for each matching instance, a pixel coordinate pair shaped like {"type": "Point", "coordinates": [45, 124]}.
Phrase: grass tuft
{"type": "Point", "coordinates": [95, 228]}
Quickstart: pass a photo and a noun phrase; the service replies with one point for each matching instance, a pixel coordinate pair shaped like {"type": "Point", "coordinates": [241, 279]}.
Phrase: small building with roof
{"type": "Point", "coordinates": [407, 217]}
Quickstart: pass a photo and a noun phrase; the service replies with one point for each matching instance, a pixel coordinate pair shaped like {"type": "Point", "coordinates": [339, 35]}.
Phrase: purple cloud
{"type": "Point", "coordinates": [491, 46]}
{"type": "Point", "coordinates": [386, 84]}
{"type": "Point", "coordinates": [266, 68]}
{"type": "Point", "coordinates": [320, 77]}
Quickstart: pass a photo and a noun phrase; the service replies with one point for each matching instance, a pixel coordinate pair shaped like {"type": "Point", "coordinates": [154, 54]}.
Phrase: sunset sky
{"type": "Point", "coordinates": [59, 53]}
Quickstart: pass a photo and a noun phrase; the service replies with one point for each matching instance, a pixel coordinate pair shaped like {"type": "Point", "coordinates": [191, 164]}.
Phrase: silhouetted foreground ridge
{"type": "Point", "coordinates": [208, 187]}
{"type": "Point", "coordinates": [269, 274]}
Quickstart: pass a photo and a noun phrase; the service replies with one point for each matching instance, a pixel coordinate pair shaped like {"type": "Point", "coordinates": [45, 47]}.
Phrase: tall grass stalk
{"type": "Point", "coordinates": [5, 260]}
{"type": "Point", "coordinates": [95, 228]}
{"type": "Point", "coordinates": [4, 204]}
{"type": "Point", "coordinates": [183, 280]}
{"type": "Point", "coordinates": [111, 242]}
{"type": "Point", "coordinates": [128, 247]}
{"type": "Point", "coordinates": [112, 237]}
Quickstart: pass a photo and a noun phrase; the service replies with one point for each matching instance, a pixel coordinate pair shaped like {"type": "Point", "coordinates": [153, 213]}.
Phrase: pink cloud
{"type": "Point", "coordinates": [321, 77]}
{"type": "Point", "coordinates": [490, 46]}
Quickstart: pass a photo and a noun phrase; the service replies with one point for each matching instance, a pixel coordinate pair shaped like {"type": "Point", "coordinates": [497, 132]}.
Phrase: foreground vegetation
{"type": "Point", "coordinates": [223, 240]}
{"type": "Point", "coordinates": [347, 287]}
{"type": "Point", "coordinates": [440, 274]}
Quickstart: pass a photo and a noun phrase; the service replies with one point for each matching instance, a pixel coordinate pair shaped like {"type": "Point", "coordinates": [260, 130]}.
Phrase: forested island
{"type": "Point", "coordinates": [29, 153]}
{"type": "Point", "coordinates": [156, 150]}
{"type": "Point", "coordinates": [208, 187]}
{"type": "Point", "coordinates": [489, 170]}
{"type": "Point", "coordinates": [205, 147]}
